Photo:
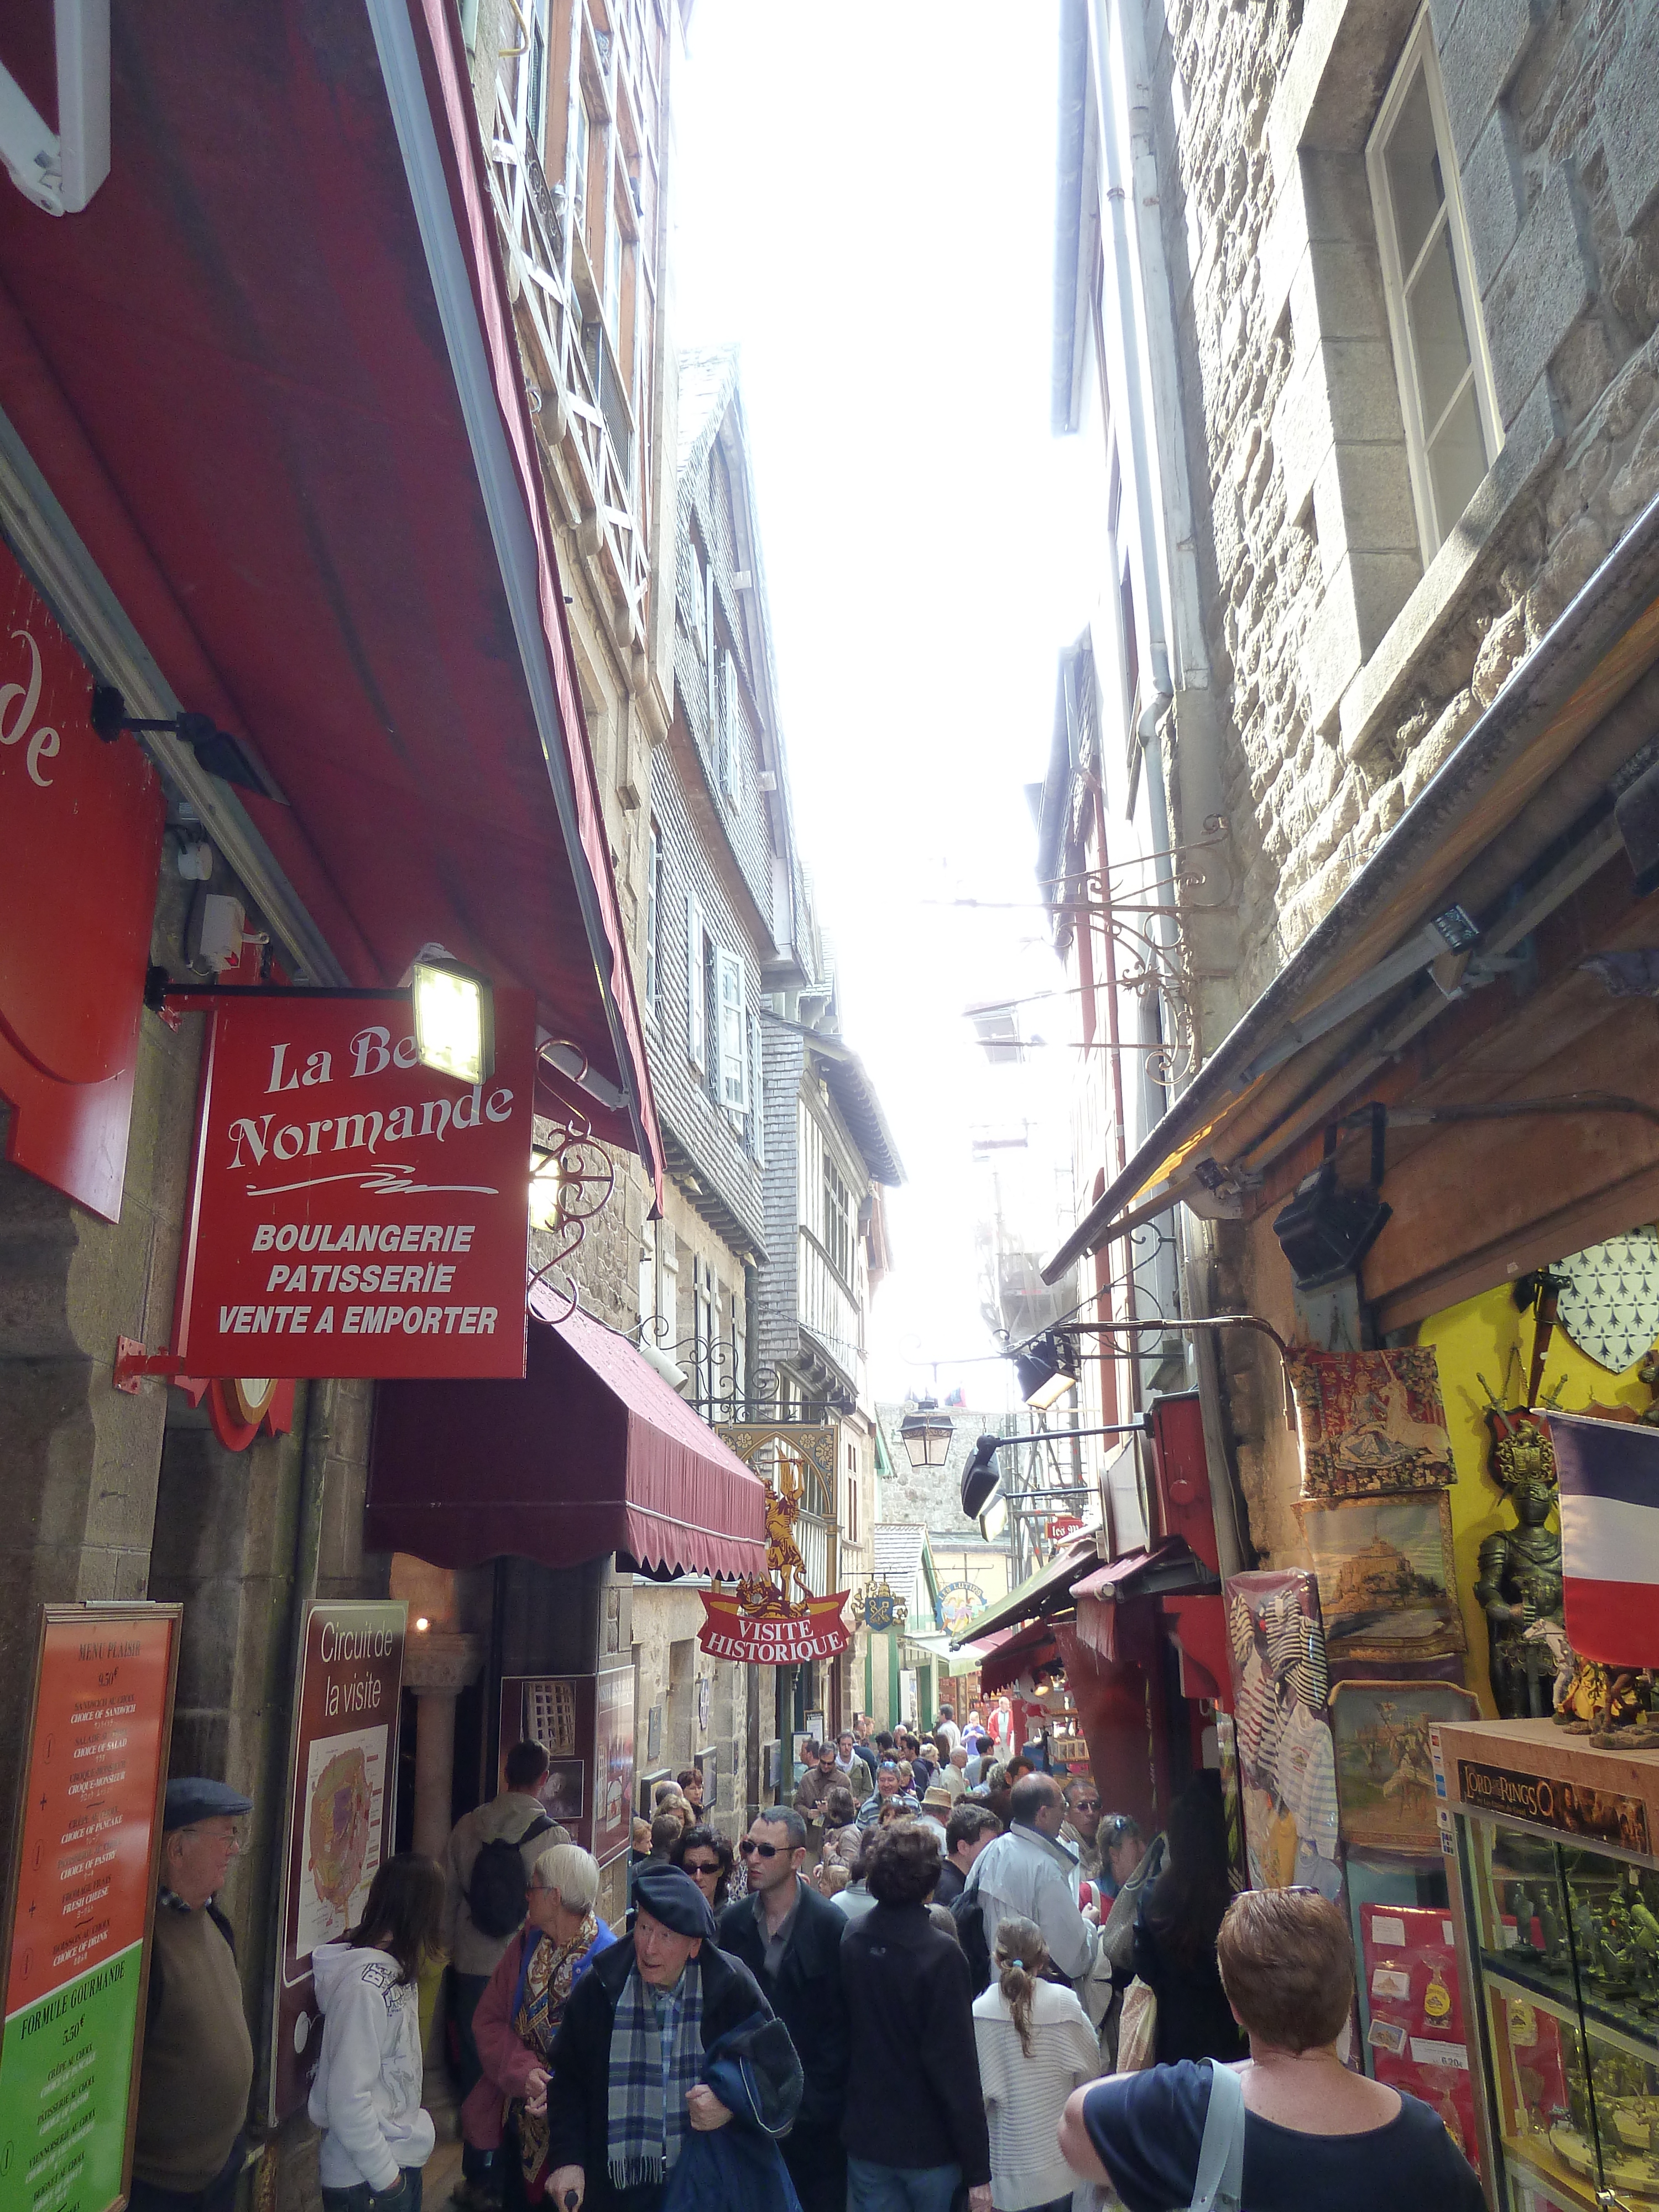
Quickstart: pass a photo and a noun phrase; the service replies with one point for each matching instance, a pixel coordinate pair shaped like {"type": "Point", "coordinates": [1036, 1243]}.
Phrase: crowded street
{"type": "Point", "coordinates": [829, 1106]}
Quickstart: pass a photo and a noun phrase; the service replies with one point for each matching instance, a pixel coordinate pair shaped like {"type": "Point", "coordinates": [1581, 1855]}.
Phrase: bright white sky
{"type": "Point", "coordinates": [863, 201]}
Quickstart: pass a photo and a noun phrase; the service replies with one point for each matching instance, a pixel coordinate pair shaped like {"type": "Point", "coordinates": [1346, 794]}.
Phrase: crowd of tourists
{"type": "Point", "coordinates": [940, 1978]}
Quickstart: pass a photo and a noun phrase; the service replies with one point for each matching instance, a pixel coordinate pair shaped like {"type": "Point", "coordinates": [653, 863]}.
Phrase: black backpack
{"type": "Point", "coordinates": [969, 1914]}
{"type": "Point", "coordinates": [497, 1895]}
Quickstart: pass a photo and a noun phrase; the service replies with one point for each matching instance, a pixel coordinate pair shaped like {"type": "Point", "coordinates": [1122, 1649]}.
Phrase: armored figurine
{"type": "Point", "coordinates": [1520, 1578]}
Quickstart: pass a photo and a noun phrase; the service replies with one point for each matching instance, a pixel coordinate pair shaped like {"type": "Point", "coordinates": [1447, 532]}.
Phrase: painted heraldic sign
{"type": "Point", "coordinates": [354, 1213]}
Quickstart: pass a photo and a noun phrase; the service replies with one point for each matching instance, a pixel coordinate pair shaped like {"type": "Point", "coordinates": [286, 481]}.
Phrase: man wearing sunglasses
{"type": "Point", "coordinates": [789, 1938]}
{"type": "Point", "coordinates": [1081, 1828]}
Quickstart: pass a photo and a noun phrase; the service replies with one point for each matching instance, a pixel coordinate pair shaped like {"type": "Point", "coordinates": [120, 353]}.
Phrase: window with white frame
{"type": "Point", "coordinates": [755, 1131]}
{"type": "Point", "coordinates": [534, 78]}
{"type": "Point", "coordinates": [649, 1283]}
{"type": "Point", "coordinates": [837, 1229]}
{"type": "Point", "coordinates": [708, 637]}
{"type": "Point", "coordinates": [699, 601]}
{"type": "Point", "coordinates": [697, 1004]}
{"type": "Point", "coordinates": [711, 1000]}
{"type": "Point", "coordinates": [733, 1033]}
{"type": "Point", "coordinates": [703, 1346]}
{"type": "Point", "coordinates": [1452, 429]}
{"type": "Point", "coordinates": [731, 732]}
{"type": "Point", "coordinates": [739, 1358]}
{"type": "Point", "coordinates": [653, 916]}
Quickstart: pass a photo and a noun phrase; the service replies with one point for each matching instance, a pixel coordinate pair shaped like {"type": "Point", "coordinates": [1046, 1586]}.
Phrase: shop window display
{"type": "Point", "coordinates": [1566, 1943]}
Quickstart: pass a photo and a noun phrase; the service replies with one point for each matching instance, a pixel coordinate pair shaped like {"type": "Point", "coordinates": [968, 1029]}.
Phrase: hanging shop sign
{"type": "Point", "coordinates": [352, 1212]}
{"type": "Point", "coordinates": [82, 1893]}
{"type": "Point", "coordinates": [81, 824]}
{"type": "Point", "coordinates": [340, 1811]}
{"type": "Point", "coordinates": [773, 1620]}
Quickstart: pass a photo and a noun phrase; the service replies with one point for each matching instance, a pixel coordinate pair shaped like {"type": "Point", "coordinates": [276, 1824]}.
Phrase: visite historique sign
{"type": "Point", "coordinates": [354, 1213]}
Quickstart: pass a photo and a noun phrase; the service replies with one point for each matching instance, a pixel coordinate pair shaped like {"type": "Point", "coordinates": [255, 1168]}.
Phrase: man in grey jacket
{"type": "Point", "coordinates": [514, 1815]}
{"type": "Point", "coordinates": [1029, 1873]}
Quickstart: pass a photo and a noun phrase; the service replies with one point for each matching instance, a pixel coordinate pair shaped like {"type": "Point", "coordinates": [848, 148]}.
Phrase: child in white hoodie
{"type": "Point", "coordinates": [367, 2095]}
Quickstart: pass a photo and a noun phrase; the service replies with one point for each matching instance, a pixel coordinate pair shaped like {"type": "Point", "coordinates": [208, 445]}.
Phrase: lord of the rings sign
{"type": "Point", "coordinates": [352, 1212]}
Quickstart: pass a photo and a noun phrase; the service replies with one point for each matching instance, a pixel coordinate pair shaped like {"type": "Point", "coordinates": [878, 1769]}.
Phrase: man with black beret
{"type": "Point", "coordinates": [627, 2064]}
{"type": "Point", "coordinates": [190, 2145]}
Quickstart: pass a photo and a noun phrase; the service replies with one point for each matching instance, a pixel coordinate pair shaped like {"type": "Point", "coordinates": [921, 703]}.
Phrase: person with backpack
{"type": "Point", "coordinates": [366, 2096]}
{"type": "Point", "coordinates": [487, 1869]}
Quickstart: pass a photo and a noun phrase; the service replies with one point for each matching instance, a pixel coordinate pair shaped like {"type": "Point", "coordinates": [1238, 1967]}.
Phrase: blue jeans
{"type": "Point", "coordinates": [872, 2188]}
{"type": "Point", "coordinates": [360, 2197]}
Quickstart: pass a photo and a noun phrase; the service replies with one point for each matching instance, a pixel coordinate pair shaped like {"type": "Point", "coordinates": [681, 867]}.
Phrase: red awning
{"type": "Point", "coordinates": [270, 376]}
{"type": "Point", "coordinates": [592, 1453]}
{"type": "Point", "coordinates": [1022, 1653]}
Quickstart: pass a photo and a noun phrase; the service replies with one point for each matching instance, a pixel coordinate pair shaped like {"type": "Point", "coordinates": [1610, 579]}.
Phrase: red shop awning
{"type": "Point", "coordinates": [1022, 1653]}
{"type": "Point", "coordinates": [592, 1453]}
{"type": "Point", "coordinates": [268, 375]}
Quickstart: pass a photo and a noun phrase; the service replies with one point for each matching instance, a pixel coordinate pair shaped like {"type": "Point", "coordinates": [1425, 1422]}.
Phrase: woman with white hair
{"type": "Point", "coordinates": [518, 2015]}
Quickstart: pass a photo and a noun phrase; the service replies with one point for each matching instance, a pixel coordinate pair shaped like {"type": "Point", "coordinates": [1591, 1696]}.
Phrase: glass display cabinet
{"type": "Point", "coordinates": [1556, 1905]}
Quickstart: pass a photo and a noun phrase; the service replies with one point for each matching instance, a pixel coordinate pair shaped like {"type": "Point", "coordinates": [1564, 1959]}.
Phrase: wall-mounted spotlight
{"type": "Point", "coordinates": [454, 1016]}
{"type": "Point", "coordinates": [1328, 1227]}
{"type": "Point", "coordinates": [1047, 1369]}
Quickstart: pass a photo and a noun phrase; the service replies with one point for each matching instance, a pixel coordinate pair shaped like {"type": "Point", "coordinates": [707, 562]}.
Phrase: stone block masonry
{"type": "Point", "coordinates": [1349, 673]}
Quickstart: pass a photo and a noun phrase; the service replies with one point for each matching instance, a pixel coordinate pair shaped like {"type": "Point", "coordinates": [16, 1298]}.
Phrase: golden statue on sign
{"type": "Point", "coordinates": [783, 1556]}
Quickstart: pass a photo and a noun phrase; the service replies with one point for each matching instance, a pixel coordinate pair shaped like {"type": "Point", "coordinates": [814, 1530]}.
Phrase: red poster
{"type": "Point", "coordinates": [353, 1212]}
{"type": "Point", "coordinates": [339, 1810]}
{"type": "Point", "coordinates": [1418, 2038]}
{"type": "Point", "coordinates": [85, 1871]}
{"type": "Point", "coordinates": [818, 1632]}
{"type": "Point", "coordinates": [81, 825]}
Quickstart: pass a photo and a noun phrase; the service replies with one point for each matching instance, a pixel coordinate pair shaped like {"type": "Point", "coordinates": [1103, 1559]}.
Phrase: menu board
{"type": "Point", "coordinates": [1416, 2038]}
{"type": "Point", "coordinates": [339, 1810]}
{"type": "Point", "coordinates": [83, 1889]}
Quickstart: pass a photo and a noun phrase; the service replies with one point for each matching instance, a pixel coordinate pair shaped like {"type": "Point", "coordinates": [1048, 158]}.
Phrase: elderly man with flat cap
{"type": "Point", "coordinates": [627, 2062]}
{"type": "Point", "coordinates": [197, 2069]}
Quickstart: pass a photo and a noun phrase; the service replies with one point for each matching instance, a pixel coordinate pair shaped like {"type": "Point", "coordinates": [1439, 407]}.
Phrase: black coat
{"type": "Point", "coordinates": [579, 2089]}
{"type": "Point", "coordinates": [808, 1997]}
{"type": "Point", "coordinates": [913, 2092]}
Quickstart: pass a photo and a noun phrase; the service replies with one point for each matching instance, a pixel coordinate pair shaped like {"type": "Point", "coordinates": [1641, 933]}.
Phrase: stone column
{"type": "Point", "coordinates": [438, 1665]}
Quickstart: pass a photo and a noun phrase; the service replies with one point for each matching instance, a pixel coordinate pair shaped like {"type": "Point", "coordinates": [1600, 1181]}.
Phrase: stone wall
{"type": "Point", "coordinates": [1352, 671]}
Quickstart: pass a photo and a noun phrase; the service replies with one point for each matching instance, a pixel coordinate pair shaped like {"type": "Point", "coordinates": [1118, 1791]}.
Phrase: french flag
{"type": "Point", "coordinates": [1609, 1473]}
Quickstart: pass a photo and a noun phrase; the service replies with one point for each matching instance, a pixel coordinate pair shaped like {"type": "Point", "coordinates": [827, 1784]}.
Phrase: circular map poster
{"type": "Point", "coordinates": [344, 1778]}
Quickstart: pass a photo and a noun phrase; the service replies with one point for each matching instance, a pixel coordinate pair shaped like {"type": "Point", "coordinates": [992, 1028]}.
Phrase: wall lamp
{"type": "Point", "coordinates": [214, 749]}
{"type": "Point", "coordinates": [454, 1011]}
{"type": "Point", "coordinates": [1047, 1368]}
{"type": "Point", "coordinates": [979, 1477]}
{"type": "Point", "coordinates": [926, 1432]}
{"type": "Point", "coordinates": [1327, 1227]}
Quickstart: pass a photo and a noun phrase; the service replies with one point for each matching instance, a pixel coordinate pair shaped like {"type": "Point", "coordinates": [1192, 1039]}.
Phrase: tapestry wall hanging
{"type": "Point", "coordinates": [1384, 1775]}
{"type": "Point", "coordinates": [1371, 1423]}
{"type": "Point", "coordinates": [1387, 1584]}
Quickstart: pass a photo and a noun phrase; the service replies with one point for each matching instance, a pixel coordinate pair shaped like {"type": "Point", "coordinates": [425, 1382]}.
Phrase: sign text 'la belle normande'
{"type": "Point", "coordinates": [353, 1212]}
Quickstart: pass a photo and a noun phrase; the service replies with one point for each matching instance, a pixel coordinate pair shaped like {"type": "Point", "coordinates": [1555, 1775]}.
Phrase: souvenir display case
{"type": "Point", "coordinates": [1557, 1909]}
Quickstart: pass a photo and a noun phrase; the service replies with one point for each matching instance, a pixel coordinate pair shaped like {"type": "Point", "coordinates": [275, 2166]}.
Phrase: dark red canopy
{"type": "Point", "coordinates": [270, 375]}
{"type": "Point", "coordinates": [592, 1452]}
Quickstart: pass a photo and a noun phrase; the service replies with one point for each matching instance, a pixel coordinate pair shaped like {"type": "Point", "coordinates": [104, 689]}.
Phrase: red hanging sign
{"type": "Point", "coordinates": [81, 826]}
{"type": "Point", "coordinates": [353, 1212]}
{"type": "Point", "coordinates": [816, 1632]}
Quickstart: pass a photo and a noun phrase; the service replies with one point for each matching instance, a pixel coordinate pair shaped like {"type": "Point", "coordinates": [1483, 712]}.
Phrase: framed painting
{"type": "Point", "coordinates": [1370, 1424]}
{"type": "Point", "coordinates": [1387, 1584]}
{"type": "Point", "coordinates": [1384, 1774]}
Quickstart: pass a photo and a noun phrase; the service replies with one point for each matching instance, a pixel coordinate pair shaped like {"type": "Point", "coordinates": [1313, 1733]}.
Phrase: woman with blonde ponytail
{"type": "Point", "coordinates": [1036, 2046]}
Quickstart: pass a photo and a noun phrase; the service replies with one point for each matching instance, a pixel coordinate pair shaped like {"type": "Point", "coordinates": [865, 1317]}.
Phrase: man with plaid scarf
{"type": "Point", "coordinates": [627, 2064]}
